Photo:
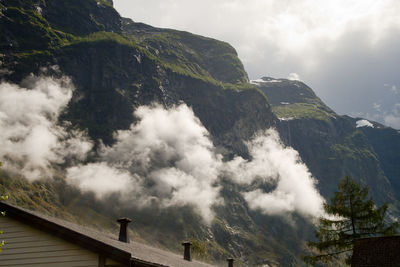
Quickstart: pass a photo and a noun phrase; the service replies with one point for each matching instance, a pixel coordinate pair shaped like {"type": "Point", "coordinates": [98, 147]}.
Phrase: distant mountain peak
{"type": "Point", "coordinates": [292, 99]}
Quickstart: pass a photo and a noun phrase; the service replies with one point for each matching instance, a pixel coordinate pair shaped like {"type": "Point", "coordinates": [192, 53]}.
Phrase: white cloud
{"type": "Point", "coordinates": [167, 150]}
{"type": "Point", "coordinates": [394, 89]}
{"type": "Point", "coordinates": [167, 158]}
{"type": "Point", "coordinates": [377, 106]}
{"type": "Point", "coordinates": [393, 119]}
{"type": "Point", "coordinates": [294, 187]}
{"type": "Point", "coordinates": [103, 180]}
{"type": "Point", "coordinates": [388, 115]}
{"type": "Point", "coordinates": [31, 138]}
{"type": "Point", "coordinates": [172, 149]}
{"type": "Point", "coordinates": [294, 76]}
{"type": "Point", "coordinates": [274, 203]}
{"type": "Point", "coordinates": [291, 24]}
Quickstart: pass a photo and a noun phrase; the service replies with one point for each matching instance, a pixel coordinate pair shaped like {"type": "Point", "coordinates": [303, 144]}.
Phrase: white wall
{"type": "Point", "coordinates": [26, 246]}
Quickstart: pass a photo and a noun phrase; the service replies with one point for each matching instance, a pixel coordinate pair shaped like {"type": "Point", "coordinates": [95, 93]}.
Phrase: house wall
{"type": "Point", "coordinates": [27, 246]}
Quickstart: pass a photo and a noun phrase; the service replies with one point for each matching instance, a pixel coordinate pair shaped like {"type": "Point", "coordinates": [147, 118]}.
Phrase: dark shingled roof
{"type": "Point", "coordinates": [105, 244]}
{"type": "Point", "coordinates": [377, 251]}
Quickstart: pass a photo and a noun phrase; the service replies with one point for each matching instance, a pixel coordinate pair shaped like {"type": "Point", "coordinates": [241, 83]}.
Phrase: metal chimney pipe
{"type": "Point", "coordinates": [230, 262]}
{"type": "Point", "coordinates": [123, 231]}
{"type": "Point", "coordinates": [186, 253]}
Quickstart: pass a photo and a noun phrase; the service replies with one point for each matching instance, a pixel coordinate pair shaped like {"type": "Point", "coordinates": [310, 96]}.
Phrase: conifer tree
{"type": "Point", "coordinates": [350, 215]}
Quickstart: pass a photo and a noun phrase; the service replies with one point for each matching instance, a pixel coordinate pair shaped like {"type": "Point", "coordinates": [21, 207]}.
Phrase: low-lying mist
{"type": "Point", "coordinates": [30, 136]}
{"type": "Point", "coordinates": [166, 158]}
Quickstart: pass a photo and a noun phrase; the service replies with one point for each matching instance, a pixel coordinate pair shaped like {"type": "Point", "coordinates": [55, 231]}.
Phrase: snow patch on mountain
{"type": "Point", "coordinates": [364, 123]}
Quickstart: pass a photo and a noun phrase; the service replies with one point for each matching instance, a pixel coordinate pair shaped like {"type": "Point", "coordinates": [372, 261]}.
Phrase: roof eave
{"type": "Point", "coordinates": [70, 235]}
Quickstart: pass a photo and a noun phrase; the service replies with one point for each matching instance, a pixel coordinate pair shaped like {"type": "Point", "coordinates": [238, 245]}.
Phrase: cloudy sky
{"type": "Point", "coordinates": [348, 51]}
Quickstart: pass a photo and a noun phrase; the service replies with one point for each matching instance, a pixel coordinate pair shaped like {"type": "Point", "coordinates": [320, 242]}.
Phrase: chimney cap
{"type": "Point", "coordinates": [123, 229]}
{"type": "Point", "coordinates": [124, 220]}
{"type": "Point", "coordinates": [186, 252]}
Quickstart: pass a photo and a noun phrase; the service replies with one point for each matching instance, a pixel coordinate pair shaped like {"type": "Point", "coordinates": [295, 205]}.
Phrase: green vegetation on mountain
{"type": "Point", "coordinates": [294, 100]}
{"type": "Point", "coordinates": [301, 110]}
{"type": "Point", "coordinates": [189, 52]}
{"type": "Point", "coordinates": [25, 30]}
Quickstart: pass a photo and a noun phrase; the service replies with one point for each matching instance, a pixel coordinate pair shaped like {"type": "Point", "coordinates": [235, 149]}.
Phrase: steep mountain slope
{"type": "Point", "coordinates": [386, 144]}
{"type": "Point", "coordinates": [129, 71]}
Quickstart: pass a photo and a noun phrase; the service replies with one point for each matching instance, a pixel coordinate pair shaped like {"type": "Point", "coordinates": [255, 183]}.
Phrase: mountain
{"type": "Point", "coordinates": [331, 145]}
{"type": "Point", "coordinates": [117, 66]}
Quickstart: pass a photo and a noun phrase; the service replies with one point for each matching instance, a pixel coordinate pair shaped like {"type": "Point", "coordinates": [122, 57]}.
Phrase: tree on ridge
{"type": "Point", "coordinates": [350, 215]}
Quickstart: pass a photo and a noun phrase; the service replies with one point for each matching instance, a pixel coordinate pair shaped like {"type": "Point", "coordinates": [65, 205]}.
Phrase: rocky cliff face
{"type": "Point", "coordinates": [116, 73]}
{"type": "Point", "coordinates": [386, 144]}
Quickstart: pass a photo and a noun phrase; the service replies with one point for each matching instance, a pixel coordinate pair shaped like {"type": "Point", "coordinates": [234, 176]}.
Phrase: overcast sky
{"type": "Point", "coordinates": [348, 51]}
